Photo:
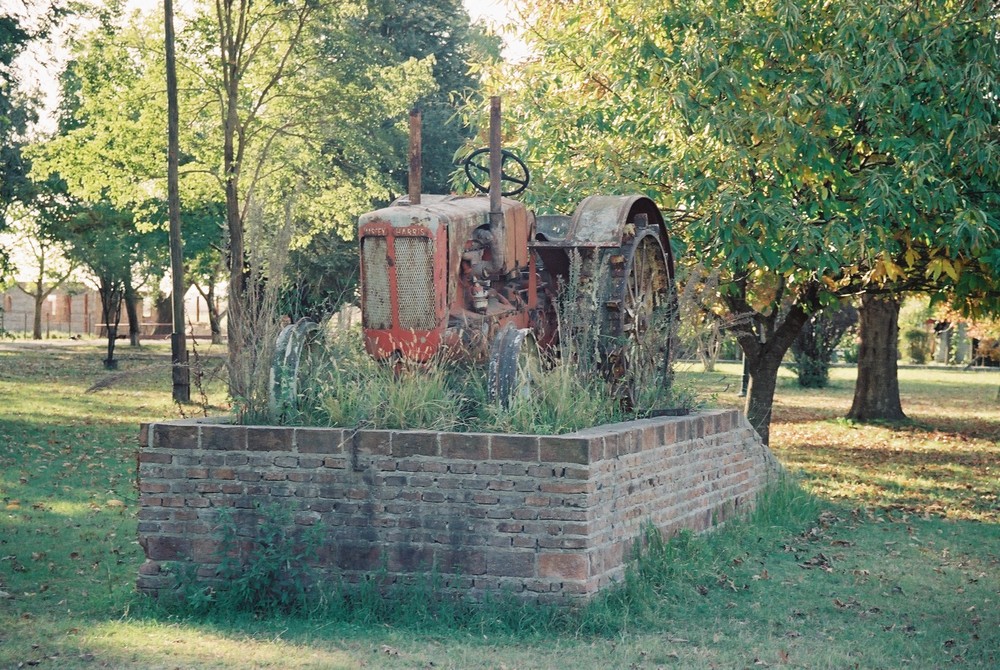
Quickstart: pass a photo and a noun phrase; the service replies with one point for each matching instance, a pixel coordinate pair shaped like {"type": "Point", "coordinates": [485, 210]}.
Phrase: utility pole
{"type": "Point", "coordinates": [181, 373]}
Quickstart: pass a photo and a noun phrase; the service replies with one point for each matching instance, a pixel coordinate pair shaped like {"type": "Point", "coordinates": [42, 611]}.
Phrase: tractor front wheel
{"type": "Point", "coordinates": [515, 366]}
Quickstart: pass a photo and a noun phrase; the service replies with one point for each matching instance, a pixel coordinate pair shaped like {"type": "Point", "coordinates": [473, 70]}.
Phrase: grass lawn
{"type": "Point", "coordinates": [895, 563]}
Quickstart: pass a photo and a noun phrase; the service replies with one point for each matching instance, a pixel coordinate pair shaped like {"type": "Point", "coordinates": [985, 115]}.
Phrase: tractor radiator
{"type": "Point", "coordinates": [412, 269]}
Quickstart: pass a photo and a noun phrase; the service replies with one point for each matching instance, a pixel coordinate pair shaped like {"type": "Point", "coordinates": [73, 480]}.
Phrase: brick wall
{"type": "Point", "coordinates": [551, 518]}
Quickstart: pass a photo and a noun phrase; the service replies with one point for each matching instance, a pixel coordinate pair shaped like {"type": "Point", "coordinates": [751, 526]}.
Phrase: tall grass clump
{"type": "Point", "coordinates": [252, 344]}
{"type": "Point", "coordinates": [348, 388]}
{"type": "Point", "coordinates": [560, 401]}
{"type": "Point", "coordinates": [587, 379]}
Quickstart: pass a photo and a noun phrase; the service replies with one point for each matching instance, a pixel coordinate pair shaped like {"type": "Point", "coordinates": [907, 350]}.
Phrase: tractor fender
{"type": "Point", "coordinates": [601, 221]}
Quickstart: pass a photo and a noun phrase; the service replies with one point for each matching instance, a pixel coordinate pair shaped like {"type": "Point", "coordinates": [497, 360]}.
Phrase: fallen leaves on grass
{"type": "Point", "coordinates": [818, 561]}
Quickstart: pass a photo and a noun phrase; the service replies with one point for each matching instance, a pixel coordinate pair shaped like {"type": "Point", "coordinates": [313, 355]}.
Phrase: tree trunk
{"type": "Point", "coordinates": [765, 342]}
{"type": "Point", "coordinates": [763, 360]}
{"type": "Point", "coordinates": [36, 329]}
{"type": "Point", "coordinates": [876, 393]}
{"type": "Point", "coordinates": [39, 295]}
{"type": "Point", "coordinates": [111, 291]}
{"type": "Point", "coordinates": [181, 373]}
{"type": "Point", "coordinates": [164, 314]}
{"type": "Point", "coordinates": [238, 385]}
{"type": "Point", "coordinates": [214, 320]}
{"type": "Point", "coordinates": [134, 315]}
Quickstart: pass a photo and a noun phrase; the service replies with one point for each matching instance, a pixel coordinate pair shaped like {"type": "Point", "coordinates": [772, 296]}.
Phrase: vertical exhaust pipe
{"type": "Point", "coordinates": [497, 227]}
{"type": "Point", "coordinates": [416, 157]}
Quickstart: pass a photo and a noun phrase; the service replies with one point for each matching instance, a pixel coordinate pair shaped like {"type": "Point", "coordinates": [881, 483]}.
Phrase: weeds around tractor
{"type": "Point", "coordinates": [559, 390]}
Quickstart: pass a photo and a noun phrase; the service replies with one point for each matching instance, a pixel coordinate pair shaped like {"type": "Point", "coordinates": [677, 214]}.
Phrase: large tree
{"type": "Point", "coordinates": [107, 241]}
{"type": "Point", "coordinates": [279, 109]}
{"type": "Point", "coordinates": [808, 150]}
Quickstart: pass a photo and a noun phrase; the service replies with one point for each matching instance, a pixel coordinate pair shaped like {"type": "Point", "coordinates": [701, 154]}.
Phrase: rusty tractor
{"type": "Point", "coordinates": [479, 277]}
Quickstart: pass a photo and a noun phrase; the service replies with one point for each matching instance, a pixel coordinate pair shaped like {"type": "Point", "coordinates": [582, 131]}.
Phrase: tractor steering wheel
{"type": "Point", "coordinates": [474, 169]}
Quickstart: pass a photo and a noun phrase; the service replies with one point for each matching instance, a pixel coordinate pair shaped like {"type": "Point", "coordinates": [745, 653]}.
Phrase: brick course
{"type": "Point", "coordinates": [549, 518]}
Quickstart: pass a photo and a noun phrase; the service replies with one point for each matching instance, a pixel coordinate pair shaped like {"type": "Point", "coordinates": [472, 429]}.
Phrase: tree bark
{"type": "Point", "coordinates": [36, 326]}
{"type": "Point", "coordinates": [214, 318]}
{"type": "Point", "coordinates": [234, 220]}
{"type": "Point", "coordinates": [765, 347]}
{"type": "Point", "coordinates": [180, 371]}
{"type": "Point", "coordinates": [763, 362]}
{"type": "Point", "coordinates": [111, 291]}
{"type": "Point", "coordinates": [876, 393]}
{"type": "Point", "coordinates": [134, 314]}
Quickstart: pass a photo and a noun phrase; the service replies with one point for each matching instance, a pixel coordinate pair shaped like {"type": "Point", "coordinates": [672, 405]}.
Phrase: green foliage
{"type": "Point", "coordinates": [915, 340]}
{"type": "Point", "coordinates": [322, 276]}
{"type": "Point", "coordinates": [806, 150]}
{"type": "Point", "coordinates": [265, 574]}
{"type": "Point", "coordinates": [917, 345]}
{"type": "Point", "coordinates": [18, 107]}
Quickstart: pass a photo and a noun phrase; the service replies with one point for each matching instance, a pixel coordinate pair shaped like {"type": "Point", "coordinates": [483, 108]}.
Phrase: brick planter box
{"type": "Point", "coordinates": [549, 518]}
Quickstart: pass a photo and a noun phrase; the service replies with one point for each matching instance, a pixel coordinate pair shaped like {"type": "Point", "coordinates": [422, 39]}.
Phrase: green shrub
{"type": "Point", "coordinates": [917, 345]}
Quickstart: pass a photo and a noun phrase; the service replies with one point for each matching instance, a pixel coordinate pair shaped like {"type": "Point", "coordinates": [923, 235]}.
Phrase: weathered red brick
{"type": "Point", "coordinates": [167, 436]}
{"type": "Point", "coordinates": [563, 566]}
{"type": "Point", "coordinates": [557, 449]}
{"type": "Point", "coordinates": [269, 439]}
{"type": "Point", "coordinates": [224, 438]}
{"type": "Point", "coordinates": [320, 440]}
{"type": "Point", "coordinates": [206, 550]}
{"type": "Point", "coordinates": [149, 567]}
{"type": "Point", "coordinates": [167, 548]}
{"type": "Point", "coordinates": [574, 487]}
{"type": "Point", "coordinates": [523, 542]}
{"type": "Point", "coordinates": [374, 442]}
{"type": "Point", "coordinates": [510, 563]}
{"type": "Point", "coordinates": [414, 443]}
{"type": "Point", "coordinates": [473, 446]}
{"type": "Point", "coordinates": [514, 448]}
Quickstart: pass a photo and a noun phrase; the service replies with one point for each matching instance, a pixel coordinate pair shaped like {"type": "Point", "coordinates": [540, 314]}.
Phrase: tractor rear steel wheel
{"type": "Point", "coordinates": [639, 317]}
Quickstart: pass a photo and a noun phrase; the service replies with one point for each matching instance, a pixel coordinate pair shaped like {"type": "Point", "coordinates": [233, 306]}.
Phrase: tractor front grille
{"type": "Point", "coordinates": [415, 282]}
{"type": "Point", "coordinates": [414, 270]}
{"type": "Point", "coordinates": [375, 266]}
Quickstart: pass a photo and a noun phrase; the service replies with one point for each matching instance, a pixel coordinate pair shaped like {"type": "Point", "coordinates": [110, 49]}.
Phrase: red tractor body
{"type": "Point", "coordinates": [431, 281]}
{"type": "Point", "coordinates": [476, 277]}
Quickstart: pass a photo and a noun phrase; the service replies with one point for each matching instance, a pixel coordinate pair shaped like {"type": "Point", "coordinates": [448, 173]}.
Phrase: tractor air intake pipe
{"type": "Point", "coordinates": [497, 227]}
{"type": "Point", "coordinates": [416, 159]}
